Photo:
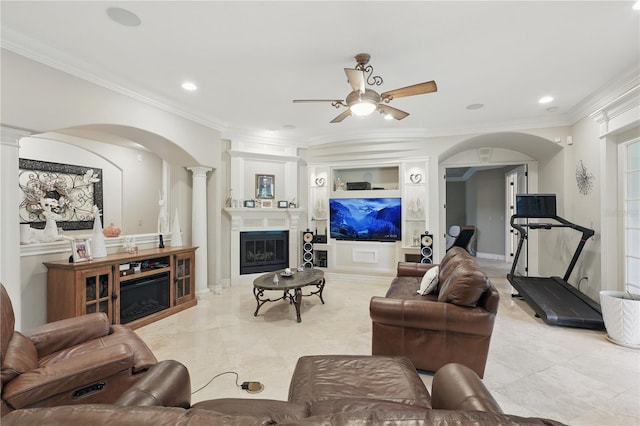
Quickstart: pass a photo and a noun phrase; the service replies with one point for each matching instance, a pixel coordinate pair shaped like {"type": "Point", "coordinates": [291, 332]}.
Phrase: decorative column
{"type": "Point", "coordinates": [9, 218]}
{"type": "Point", "coordinates": [199, 226]}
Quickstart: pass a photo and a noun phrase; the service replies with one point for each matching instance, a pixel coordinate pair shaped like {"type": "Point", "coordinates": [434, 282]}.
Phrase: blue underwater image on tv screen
{"type": "Point", "coordinates": [370, 219]}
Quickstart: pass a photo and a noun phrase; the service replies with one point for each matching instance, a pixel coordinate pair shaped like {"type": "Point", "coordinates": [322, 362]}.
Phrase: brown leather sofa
{"type": "Point", "coordinates": [78, 360]}
{"type": "Point", "coordinates": [454, 324]}
{"type": "Point", "coordinates": [325, 390]}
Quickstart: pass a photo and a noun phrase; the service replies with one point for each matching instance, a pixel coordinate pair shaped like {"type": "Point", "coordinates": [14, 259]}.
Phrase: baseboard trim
{"type": "Point", "coordinates": [491, 256]}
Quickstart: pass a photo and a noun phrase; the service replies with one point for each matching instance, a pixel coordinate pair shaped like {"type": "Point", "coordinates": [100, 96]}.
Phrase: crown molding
{"type": "Point", "coordinates": [32, 49]}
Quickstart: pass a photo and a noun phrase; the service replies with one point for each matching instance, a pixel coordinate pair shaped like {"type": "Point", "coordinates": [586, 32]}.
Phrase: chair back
{"type": "Point", "coordinates": [7, 321]}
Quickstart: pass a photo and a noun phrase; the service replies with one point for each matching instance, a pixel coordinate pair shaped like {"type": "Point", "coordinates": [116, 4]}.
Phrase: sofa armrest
{"type": "Point", "coordinates": [431, 315]}
{"type": "Point", "coordinates": [58, 335]}
{"type": "Point", "coordinates": [413, 269]}
{"type": "Point", "coordinates": [457, 387]}
{"type": "Point", "coordinates": [67, 375]}
{"type": "Point", "coordinates": [166, 384]}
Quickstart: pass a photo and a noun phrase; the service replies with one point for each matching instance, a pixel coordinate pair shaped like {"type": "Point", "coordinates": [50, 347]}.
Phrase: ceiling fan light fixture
{"type": "Point", "coordinates": [363, 107]}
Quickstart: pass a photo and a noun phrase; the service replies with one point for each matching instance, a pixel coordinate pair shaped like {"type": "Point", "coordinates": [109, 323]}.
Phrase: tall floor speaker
{"type": "Point", "coordinates": [426, 248]}
{"type": "Point", "coordinates": [307, 249]}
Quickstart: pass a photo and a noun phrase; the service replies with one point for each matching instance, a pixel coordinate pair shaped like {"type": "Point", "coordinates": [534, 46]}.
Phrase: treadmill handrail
{"type": "Point", "coordinates": [586, 234]}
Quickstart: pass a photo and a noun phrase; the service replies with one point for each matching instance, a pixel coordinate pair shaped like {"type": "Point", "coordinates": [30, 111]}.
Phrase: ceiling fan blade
{"type": "Point", "coordinates": [394, 112]}
{"type": "Point", "coordinates": [346, 113]}
{"type": "Point", "coordinates": [355, 78]}
{"type": "Point", "coordinates": [302, 101]}
{"type": "Point", "coordinates": [416, 89]}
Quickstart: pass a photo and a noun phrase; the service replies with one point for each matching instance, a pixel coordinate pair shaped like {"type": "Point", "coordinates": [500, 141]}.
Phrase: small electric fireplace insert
{"type": "Point", "coordinates": [143, 296]}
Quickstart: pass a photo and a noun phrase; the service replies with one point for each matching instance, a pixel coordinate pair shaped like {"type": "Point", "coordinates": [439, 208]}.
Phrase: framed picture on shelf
{"type": "Point", "coordinates": [283, 204]}
{"type": "Point", "coordinates": [267, 204]}
{"type": "Point", "coordinates": [265, 186]}
{"type": "Point", "coordinates": [81, 248]}
{"type": "Point", "coordinates": [249, 203]}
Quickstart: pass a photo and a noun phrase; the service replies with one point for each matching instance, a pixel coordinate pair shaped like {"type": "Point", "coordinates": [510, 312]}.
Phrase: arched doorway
{"type": "Point", "coordinates": [499, 153]}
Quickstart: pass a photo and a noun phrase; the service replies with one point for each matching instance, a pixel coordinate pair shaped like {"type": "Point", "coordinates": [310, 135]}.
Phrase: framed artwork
{"type": "Point", "coordinates": [283, 204]}
{"type": "Point", "coordinates": [265, 186]}
{"type": "Point", "coordinates": [81, 248]}
{"type": "Point", "coordinates": [249, 203]}
{"type": "Point", "coordinates": [267, 204]}
{"type": "Point", "coordinates": [63, 189]}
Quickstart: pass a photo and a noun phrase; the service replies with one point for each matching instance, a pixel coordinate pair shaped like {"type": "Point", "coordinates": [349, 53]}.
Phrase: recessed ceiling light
{"type": "Point", "coordinates": [552, 109]}
{"type": "Point", "coordinates": [123, 17]}
{"type": "Point", "coordinates": [191, 87]}
{"type": "Point", "coordinates": [545, 99]}
{"type": "Point", "coordinates": [289, 126]}
{"type": "Point", "coordinates": [475, 106]}
{"type": "Point", "coordinates": [636, 5]}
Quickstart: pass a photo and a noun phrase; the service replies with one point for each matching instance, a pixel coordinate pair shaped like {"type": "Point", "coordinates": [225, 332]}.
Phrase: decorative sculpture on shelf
{"type": "Point", "coordinates": [98, 247]}
{"type": "Point", "coordinates": [50, 231]}
{"type": "Point", "coordinates": [163, 215]}
{"type": "Point", "coordinates": [176, 233]}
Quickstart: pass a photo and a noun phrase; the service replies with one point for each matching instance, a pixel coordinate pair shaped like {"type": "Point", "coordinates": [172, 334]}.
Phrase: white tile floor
{"type": "Point", "coordinates": [571, 375]}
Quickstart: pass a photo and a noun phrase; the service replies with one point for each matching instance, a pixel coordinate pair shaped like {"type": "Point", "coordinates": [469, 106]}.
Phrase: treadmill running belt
{"type": "Point", "coordinates": [557, 302]}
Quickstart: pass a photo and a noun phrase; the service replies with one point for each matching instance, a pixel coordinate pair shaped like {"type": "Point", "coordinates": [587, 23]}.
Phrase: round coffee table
{"type": "Point", "coordinates": [291, 287]}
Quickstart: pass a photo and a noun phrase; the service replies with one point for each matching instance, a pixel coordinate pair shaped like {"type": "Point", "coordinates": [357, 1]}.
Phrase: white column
{"type": "Point", "coordinates": [9, 218]}
{"type": "Point", "coordinates": [199, 226]}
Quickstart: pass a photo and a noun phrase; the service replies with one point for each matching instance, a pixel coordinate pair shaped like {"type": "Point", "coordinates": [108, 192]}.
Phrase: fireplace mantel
{"type": "Point", "coordinates": [245, 219]}
{"type": "Point", "coordinates": [261, 219]}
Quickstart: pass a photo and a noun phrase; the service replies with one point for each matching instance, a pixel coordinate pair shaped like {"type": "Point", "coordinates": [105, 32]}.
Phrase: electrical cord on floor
{"type": "Point", "coordinates": [250, 387]}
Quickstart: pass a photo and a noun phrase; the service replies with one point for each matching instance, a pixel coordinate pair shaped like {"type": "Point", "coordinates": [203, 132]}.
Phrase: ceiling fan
{"type": "Point", "coordinates": [363, 101]}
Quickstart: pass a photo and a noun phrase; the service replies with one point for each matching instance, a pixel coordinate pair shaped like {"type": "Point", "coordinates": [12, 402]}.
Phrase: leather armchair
{"type": "Point", "coordinates": [78, 360]}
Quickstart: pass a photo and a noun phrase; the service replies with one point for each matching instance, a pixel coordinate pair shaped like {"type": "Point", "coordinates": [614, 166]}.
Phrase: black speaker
{"type": "Point", "coordinates": [426, 248]}
{"type": "Point", "coordinates": [307, 249]}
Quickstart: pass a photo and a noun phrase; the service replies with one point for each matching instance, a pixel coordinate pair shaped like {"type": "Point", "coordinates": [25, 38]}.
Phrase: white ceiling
{"type": "Point", "coordinates": [251, 59]}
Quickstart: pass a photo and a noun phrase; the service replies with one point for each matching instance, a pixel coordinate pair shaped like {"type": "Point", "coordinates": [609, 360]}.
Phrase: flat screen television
{"type": "Point", "coordinates": [365, 219]}
{"type": "Point", "coordinates": [536, 205]}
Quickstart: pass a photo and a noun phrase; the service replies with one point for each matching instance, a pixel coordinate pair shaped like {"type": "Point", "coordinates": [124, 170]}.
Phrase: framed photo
{"type": "Point", "coordinates": [283, 204]}
{"type": "Point", "coordinates": [249, 203]}
{"type": "Point", "coordinates": [81, 248]}
{"type": "Point", "coordinates": [267, 204]}
{"type": "Point", "coordinates": [265, 186]}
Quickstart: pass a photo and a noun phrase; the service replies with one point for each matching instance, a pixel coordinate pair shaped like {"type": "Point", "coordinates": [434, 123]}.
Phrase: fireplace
{"type": "Point", "coordinates": [143, 296]}
{"type": "Point", "coordinates": [263, 251]}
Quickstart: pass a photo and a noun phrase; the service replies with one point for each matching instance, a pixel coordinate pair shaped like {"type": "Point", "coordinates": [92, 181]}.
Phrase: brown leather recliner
{"type": "Point", "coordinates": [78, 360]}
{"type": "Point", "coordinates": [452, 325]}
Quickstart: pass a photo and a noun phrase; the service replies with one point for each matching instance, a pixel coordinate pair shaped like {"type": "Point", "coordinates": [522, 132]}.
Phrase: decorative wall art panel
{"type": "Point", "coordinates": [63, 189]}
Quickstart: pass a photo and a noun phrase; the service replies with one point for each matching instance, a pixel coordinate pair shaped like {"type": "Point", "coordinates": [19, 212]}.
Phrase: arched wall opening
{"type": "Point", "coordinates": [487, 159]}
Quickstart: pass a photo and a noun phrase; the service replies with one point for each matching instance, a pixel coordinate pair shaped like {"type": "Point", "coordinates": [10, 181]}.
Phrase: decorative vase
{"type": "Point", "coordinates": [111, 231]}
{"type": "Point", "coordinates": [621, 315]}
{"type": "Point", "coordinates": [98, 247]}
{"type": "Point", "coordinates": [176, 233]}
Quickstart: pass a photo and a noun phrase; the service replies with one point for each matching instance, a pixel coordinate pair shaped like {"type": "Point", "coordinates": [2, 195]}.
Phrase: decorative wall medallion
{"type": "Point", "coordinates": [415, 178]}
{"type": "Point", "coordinates": [584, 179]}
{"type": "Point", "coordinates": [320, 181]}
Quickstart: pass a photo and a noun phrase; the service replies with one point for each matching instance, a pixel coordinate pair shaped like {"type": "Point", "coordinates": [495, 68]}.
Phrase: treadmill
{"type": "Point", "coordinates": [552, 298]}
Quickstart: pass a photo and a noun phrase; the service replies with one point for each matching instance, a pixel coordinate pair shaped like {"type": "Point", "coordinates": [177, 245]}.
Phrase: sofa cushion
{"type": "Point", "coordinates": [278, 411]}
{"type": "Point", "coordinates": [350, 405]}
{"type": "Point", "coordinates": [464, 285]}
{"type": "Point", "coordinates": [429, 281]}
{"type": "Point", "coordinates": [406, 288]}
{"type": "Point", "coordinates": [389, 417]}
{"type": "Point", "coordinates": [21, 356]}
